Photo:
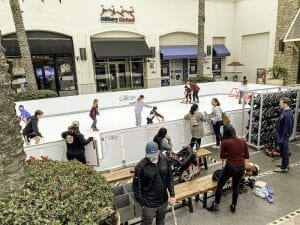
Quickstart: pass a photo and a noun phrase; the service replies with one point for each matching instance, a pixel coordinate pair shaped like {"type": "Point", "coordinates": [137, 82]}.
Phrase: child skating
{"type": "Point", "coordinates": [154, 114]}
{"type": "Point", "coordinates": [187, 95]}
{"type": "Point", "coordinates": [93, 114]}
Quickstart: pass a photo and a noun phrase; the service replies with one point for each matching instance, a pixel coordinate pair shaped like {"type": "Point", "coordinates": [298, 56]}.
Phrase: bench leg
{"type": "Point", "coordinates": [200, 162]}
{"type": "Point", "coordinates": [205, 163]}
{"type": "Point", "coordinates": [183, 203]}
{"type": "Point", "coordinates": [205, 200]}
{"type": "Point", "coordinates": [190, 202]}
{"type": "Point", "coordinates": [197, 198]}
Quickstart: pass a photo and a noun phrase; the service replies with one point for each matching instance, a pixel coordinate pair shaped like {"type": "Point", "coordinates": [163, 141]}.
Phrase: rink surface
{"type": "Point", "coordinates": [124, 117]}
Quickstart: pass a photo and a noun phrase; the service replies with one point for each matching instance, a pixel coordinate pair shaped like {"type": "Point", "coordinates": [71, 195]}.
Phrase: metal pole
{"type": "Point", "coordinates": [260, 119]}
{"type": "Point", "coordinates": [251, 118]}
{"type": "Point", "coordinates": [243, 118]}
{"type": "Point", "coordinates": [296, 116]}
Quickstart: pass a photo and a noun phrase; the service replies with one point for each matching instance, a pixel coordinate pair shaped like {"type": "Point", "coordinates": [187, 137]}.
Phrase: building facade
{"type": "Point", "coordinates": [112, 45]}
{"type": "Point", "coordinates": [287, 44]}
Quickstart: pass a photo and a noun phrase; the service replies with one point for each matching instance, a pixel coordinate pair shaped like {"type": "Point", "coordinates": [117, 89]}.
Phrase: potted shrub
{"type": "Point", "coordinates": [59, 193]}
{"type": "Point", "coordinates": [278, 73]}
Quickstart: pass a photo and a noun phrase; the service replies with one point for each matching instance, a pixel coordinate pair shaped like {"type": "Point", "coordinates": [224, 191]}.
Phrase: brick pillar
{"type": "Point", "coordinates": [287, 10]}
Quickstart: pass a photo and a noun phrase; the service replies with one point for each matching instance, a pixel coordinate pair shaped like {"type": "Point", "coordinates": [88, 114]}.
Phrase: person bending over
{"type": "Point", "coordinates": [31, 130]}
{"type": "Point", "coordinates": [75, 143]}
{"type": "Point", "coordinates": [234, 153]}
{"type": "Point", "coordinates": [154, 114]}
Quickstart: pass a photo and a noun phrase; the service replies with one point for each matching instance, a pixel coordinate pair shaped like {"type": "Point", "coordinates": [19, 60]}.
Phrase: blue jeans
{"type": "Point", "coordinates": [284, 152]}
{"type": "Point", "coordinates": [217, 130]}
{"type": "Point", "coordinates": [241, 96]}
{"type": "Point", "coordinates": [94, 124]}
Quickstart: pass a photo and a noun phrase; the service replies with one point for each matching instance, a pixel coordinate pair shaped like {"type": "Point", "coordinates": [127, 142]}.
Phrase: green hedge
{"type": "Point", "coordinates": [57, 193]}
{"type": "Point", "coordinates": [36, 94]}
{"type": "Point", "coordinates": [203, 79]}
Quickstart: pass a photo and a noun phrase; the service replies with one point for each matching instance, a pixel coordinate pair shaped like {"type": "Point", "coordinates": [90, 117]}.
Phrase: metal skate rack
{"type": "Point", "coordinates": [263, 94]}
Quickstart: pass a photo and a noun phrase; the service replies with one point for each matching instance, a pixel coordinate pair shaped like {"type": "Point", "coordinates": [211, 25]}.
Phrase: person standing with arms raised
{"type": "Point", "coordinates": [284, 132]}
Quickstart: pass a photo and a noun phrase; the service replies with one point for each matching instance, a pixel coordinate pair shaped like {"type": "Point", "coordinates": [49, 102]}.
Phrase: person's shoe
{"type": "Point", "coordinates": [214, 207]}
{"type": "Point", "coordinates": [232, 208]}
{"type": "Point", "coordinates": [281, 170]}
{"type": "Point", "coordinates": [270, 198]}
{"type": "Point", "coordinates": [95, 129]}
{"type": "Point", "coordinates": [278, 165]}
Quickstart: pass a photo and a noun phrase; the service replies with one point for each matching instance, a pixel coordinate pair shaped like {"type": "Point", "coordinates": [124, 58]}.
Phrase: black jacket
{"type": "Point", "coordinates": [32, 127]}
{"type": "Point", "coordinates": [151, 181]}
{"type": "Point", "coordinates": [77, 147]}
{"type": "Point", "coordinates": [285, 125]}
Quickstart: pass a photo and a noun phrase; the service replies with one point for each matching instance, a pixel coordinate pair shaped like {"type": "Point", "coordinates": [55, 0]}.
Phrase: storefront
{"type": "Point", "coordinates": [178, 63]}
{"type": "Point", "coordinates": [219, 53]}
{"type": "Point", "coordinates": [52, 57]}
{"type": "Point", "coordinates": [119, 63]}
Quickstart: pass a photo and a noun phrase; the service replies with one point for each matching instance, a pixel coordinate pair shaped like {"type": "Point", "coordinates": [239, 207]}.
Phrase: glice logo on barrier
{"type": "Point", "coordinates": [123, 98]}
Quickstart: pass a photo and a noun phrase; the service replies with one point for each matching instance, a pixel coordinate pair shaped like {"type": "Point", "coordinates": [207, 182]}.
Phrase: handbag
{"type": "Point", "coordinates": [225, 119]}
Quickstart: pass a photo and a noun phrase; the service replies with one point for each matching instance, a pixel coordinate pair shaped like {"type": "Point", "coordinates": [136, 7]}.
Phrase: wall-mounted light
{"type": "Point", "coordinates": [281, 45]}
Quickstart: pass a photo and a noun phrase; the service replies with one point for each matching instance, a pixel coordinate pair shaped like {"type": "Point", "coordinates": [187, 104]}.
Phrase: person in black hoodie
{"type": "Point", "coordinates": [75, 143]}
{"type": "Point", "coordinates": [284, 131]}
{"type": "Point", "coordinates": [151, 180]}
{"type": "Point", "coordinates": [31, 130]}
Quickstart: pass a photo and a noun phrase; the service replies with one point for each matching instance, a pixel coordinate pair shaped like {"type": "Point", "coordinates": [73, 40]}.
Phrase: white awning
{"type": "Point", "coordinates": [293, 33]}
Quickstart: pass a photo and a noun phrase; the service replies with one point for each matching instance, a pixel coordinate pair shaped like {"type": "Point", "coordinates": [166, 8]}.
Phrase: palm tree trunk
{"type": "Point", "coordinates": [201, 21]}
{"type": "Point", "coordinates": [23, 44]}
{"type": "Point", "coordinates": [12, 156]}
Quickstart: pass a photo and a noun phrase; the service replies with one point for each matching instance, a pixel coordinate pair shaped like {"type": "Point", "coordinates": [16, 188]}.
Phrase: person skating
{"type": "Point", "coordinates": [163, 140]}
{"type": "Point", "coordinates": [187, 94]}
{"type": "Point", "coordinates": [24, 114]}
{"type": "Point", "coordinates": [154, 114]}
{"type": "Point", "coordinates": [243, 90]}
{"type": "Point", "coordinates": [234, 153]}
{"type": "Point", "coordinates": [94, 112]}
{"type": "Point", "coordinates": [196, 120]}
{"type": "Point", "coordinates": [75, 143]}
{"type": "Point", "coordinates": [139, 104]}
{"type": "Point", "coordinates": [284, 131]}
{"type": "Point", "coordinates": [31, 130]}
{"type": "Point", "coordinates": [151, 182]}
{"type": "Point", "coordinates": [195, 88]}
{"type": "Point", "coordinates": [216, 117]}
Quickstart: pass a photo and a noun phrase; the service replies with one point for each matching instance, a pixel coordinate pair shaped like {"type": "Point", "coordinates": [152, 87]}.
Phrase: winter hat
{"type": "Point", "coordinates": [75, 123]}
{"type": "Point", "coordinates": [151, 149]}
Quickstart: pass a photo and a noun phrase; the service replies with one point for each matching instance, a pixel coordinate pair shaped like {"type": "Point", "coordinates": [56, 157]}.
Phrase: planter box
{"type": "Point", "coordinates": [275, 82]}
{"type": "Point", "coordinates": [125, 206]}
{"type": "Point", "coordinates": [128, 187]}
{"type": "Point", "coordinates": [137, 206]}
{"type": "Point", "coordinates": [118, 190]}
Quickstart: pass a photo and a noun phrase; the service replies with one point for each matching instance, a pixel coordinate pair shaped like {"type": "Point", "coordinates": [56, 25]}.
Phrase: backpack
{"type": "Point", "coordinates": [193, 121]}
{"type": "Point", "coordinates": [217, 175]}
{"type": "Point", "coordinates": [225, 119]}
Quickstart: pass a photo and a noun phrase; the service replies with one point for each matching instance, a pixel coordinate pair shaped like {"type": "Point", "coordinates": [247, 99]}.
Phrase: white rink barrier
{"type": "Point", "coordinates": [57, 151]}
{"type": "Point", "coordinates": [125, 147]}
{"type": "Point", "coordinates": [81, 103]}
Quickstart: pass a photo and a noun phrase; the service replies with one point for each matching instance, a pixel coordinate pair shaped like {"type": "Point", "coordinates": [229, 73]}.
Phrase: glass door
{"type": "Point", "coordinates": [113, 76]}
{"type": "Point", "coordinates": [118, 78]}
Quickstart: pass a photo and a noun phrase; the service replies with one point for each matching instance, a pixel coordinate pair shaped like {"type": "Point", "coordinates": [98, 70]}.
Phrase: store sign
{"type": "Point", "coordinates": [261, 76]}
{"type": "Point", "coordinates": [123, 98]}
{"type": "Point", "coordinates": [216, 67]}
{"type": "Point", "coordinates": [111, 15]}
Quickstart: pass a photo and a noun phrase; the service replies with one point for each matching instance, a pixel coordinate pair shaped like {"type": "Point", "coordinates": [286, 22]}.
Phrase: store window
{"type": "Point", "coordinates": [66, 73]}
{"type": "Point", "coordinates": [193, 67]}
{"type": "Point", "coordinates": [137, 67]}
{"type": "Point", "coordinates": [165, 72]}
{"type": "Point", "coordinates": [102, 80]}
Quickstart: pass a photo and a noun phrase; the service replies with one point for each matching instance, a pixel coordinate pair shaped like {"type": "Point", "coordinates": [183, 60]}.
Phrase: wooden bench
{"type": "Point", "coordinates": [119, 175]}
{"type": "Point", "coordinates": [194, 188]}
{"type": "Point", "coordinates": [202, 153]}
